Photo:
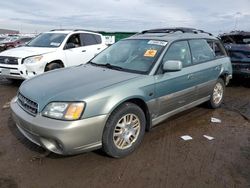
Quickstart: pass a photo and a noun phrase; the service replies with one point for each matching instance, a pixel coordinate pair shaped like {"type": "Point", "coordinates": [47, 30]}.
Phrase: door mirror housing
{"type": "Point", "coordinates": [172, 65]}
{"type": "Point", "coordinates": [70, 45]}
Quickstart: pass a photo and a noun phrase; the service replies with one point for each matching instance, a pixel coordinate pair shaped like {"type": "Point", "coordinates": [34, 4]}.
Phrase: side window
{"type": "Point", "coordinates": [74, 41]}
{"type": "Point", "coordinates": [218, 49]}
{"type": "Point", "coordinates": [88, 39]}
{"type": "Point", "coordinates": [98, 39]}
{"type": "Point", "coordinates": [201, 51]}
{"type": "Point", "coordinates": [179, 51]}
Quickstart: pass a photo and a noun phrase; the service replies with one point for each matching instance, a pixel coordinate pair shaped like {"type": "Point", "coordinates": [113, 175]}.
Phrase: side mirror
{"type": "Point", "coordinates": [172, 65]}
{"type": "Point", "coordinates": [70, 45]}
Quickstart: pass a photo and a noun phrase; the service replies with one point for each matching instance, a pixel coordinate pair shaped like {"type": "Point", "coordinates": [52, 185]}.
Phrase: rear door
{"type": "Point", "coordinates": [91, 45]}
{"type": "Point", "coordinates": [206, 65]}
{"type": "Point", "coordinates": [176, 89]}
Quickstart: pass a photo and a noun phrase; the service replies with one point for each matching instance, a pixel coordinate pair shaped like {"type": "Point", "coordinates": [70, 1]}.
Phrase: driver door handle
{"type": "Point", "coordinates": [83, 50]}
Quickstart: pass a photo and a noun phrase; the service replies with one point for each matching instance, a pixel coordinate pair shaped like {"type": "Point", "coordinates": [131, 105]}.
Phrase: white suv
{"type": "Point", "coordinates": [50, 50]}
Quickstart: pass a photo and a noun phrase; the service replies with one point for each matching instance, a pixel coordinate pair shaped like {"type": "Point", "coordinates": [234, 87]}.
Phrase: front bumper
{"type": "Point", "coordinates": [21, 71]}
{"type": "Point", "coordinates": [61, 137]}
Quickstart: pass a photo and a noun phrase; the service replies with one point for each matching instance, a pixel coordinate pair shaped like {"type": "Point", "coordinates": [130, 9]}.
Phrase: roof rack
{"type": "Point", "coordinates": [173, 30]}
{"type": "Point", "coordinates": [60, 29]}
{"type": "Point", "coordinates": [73, 30]}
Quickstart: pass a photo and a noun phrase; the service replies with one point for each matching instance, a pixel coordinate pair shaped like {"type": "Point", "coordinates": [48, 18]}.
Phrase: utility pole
{"type": "Point", "coordinates": [236, 16]}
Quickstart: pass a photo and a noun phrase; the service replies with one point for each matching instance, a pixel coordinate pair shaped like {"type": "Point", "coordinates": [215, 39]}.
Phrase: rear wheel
{"type": "Point", "coordinates": [217, 95]}
{"type": "Point", "coordinates": [53, 66]}
{"type": "Point", "coordinates": [124, 130]}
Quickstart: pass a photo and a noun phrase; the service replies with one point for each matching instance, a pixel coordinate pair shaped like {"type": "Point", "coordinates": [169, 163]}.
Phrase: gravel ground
{"type": "Point", "coordinates": [162, 160]}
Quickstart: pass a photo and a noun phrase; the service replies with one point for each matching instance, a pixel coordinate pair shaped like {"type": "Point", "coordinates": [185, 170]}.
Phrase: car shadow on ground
{"type": "Point", "coordinates": [239, 82]}
{"type": "Point", "coordinates": [12, 82]}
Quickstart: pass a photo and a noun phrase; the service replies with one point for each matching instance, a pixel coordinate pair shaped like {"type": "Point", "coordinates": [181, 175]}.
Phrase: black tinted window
{"type": "Point", "coordinates": [201, 51]}
{"type": "Point", "coordinates": [98, 39]}
{"type": "Point", "coordinates": [88, 39]}
{"type": "Point", "coordinates": [179, 51]}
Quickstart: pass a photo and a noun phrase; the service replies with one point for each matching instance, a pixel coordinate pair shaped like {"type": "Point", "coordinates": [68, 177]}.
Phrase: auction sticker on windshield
{"type": "Point", "coordinates": [150, 53]}
{"type": "Point", "coordinates": [54, 44]}
{"type": "Point", "coordinates": [157, 42]}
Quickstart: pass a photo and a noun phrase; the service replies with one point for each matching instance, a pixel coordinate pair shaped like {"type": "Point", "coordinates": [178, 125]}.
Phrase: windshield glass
{"type": "Point", "coordinates": [131, 55]}
{"type": "Point", "coordinates": [48, 40]}
{"type": "Point", "coordinates": [236, 39]}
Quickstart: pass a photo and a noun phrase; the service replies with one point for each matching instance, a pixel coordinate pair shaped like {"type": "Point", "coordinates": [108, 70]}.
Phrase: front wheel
{"type": "Point", "coordinates": [217, 95]}
{"type": "Point", "coordinates": [124, 130]}
{"type": "Point", "coordinates": [53, 66]}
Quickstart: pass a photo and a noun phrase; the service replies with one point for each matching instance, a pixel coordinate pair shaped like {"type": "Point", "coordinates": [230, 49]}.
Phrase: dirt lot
{"type": "Point", "coordinates": [163, 159]}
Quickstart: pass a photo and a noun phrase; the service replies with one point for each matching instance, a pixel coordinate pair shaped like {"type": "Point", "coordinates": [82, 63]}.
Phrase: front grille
{"type": "Point", "coordinates": [8, 60]}
{"type": "Point", "coordinates": [27, 104]}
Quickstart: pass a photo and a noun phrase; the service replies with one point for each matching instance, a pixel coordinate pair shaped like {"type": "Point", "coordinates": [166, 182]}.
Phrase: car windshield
{"type": "Point", "coordinates": [130, 55]}
{"type": "Point", "coordinates": [48, 40]}
{"type": "Point", "coordinates": [236, 39]}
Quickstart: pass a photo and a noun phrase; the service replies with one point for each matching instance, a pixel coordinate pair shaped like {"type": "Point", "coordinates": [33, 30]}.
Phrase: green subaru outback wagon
{"type": "Point", "coordinates": [127, 89]}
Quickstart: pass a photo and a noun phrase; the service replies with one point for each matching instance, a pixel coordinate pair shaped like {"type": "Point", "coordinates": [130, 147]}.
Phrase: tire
{"type": "Point", "coordinates": [217, 94]}
{"type": "Point", "coordinates": [128, 137]}
{"type": "Point", "coordinates": [53, 66]}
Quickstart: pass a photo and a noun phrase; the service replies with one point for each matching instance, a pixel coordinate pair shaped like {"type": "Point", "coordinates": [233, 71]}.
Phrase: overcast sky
{"type": "Point", "coordinates": [124, 15]}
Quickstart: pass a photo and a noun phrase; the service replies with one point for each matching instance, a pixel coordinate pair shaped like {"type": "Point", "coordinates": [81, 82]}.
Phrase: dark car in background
{"type": "Point", "coordinates": [12, 42]}
{"type": "Point", "coordinates": [237, 44]}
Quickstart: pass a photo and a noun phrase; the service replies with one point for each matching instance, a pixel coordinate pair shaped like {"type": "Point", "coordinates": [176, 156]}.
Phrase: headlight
{"type": "Point", "coordinates": [64, 110]}
{"type": "Point", "coordinates": [33, 59]}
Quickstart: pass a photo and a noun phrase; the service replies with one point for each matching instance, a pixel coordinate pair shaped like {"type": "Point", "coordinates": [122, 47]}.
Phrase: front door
{"type": "Point", "coordinates": [74, 51]}
{"type": "Point", "coordinates": [176, 89]}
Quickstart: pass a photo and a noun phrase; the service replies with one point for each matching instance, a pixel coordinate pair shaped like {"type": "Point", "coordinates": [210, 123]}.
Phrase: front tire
{"type": "Point", "coordinates": [217, 95]}
{"type": "Point", "coordinates": [53, 66]}
{"type": "Point", "coordinates": [124, 130]}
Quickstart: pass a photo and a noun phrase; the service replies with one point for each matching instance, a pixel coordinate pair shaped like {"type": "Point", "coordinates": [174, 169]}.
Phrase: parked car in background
{"type": "Point", "coordinates": [237, 44]}
{"type": "Point", "coordinates": [50, 50]}
{"type": "Point", "coordinates": [2, 38]}
{"type": "Point", "coordinates": [15, 42]}
{"type": "Point", "coordinates": [128, 88]}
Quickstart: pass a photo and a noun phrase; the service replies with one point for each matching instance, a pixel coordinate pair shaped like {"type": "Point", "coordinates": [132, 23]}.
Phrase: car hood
{"type": "Point", "coordinates": [71, 84]}
{"type": "Point", "coordinates": [26, 51]}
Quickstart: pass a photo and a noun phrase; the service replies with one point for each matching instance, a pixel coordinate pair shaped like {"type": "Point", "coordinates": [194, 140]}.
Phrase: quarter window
{"type": "Point", "coordinates": [217, 48]}
{"type": "Point", "coordinates": [179, 51]}
{"type": "Point", "coordinates": [201, 51]}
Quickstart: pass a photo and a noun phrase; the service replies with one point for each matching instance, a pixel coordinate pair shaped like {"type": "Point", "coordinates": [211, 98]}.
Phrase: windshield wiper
{"type": "Point", "coordinates": [107, 65]}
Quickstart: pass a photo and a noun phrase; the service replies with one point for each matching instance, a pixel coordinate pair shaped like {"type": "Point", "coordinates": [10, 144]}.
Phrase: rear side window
{"type": "Point", "coordinates": [201, 51]}
{"type": "Point", "coordinates": [98, 39]}
{"type": "Point", "coordinates": [179, 51]}
{"type": "Point", "coordinates": [90, 39]}
{"type": "Point", "coordinates": [216, 46]}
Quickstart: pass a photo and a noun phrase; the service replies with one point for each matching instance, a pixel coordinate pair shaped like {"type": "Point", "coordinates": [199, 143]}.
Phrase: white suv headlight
{"type": "Point", "coordinates": [64, 110]}
{"type": "Point", "coordinates": [33, 59]}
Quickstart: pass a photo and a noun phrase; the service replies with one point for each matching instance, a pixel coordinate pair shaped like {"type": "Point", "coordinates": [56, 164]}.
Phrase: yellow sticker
{"type": "Point", "coordinates": [150, 53]}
